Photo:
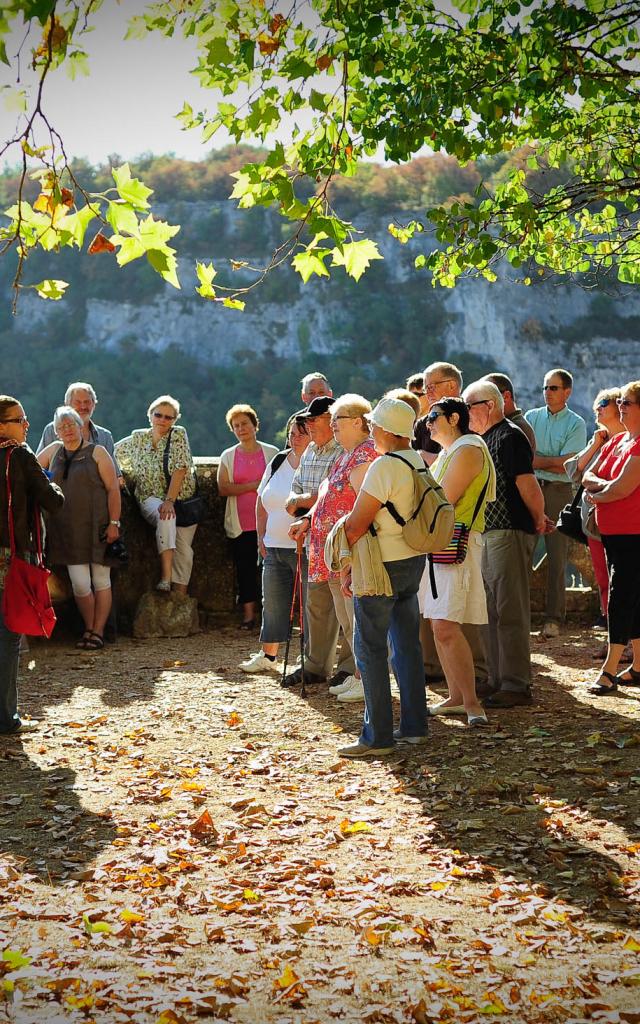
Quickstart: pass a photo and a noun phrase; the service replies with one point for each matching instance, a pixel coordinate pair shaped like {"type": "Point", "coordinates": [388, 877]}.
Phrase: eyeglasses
{"type": "Point", "coordinates": [553, 387]}
{"type": "Point", "coordinates": [432, 416]}
{"type": "Point", "coordinates": [436, 383]}
{"type": "Point", "coordinates": [16, 419]}
{"type": "Point", "coordinates": [620, 402]}
{"type": "Point", "coordinates": [334, 419]}
{"type": "Point", "coordinates": [481, 401]}
{"type": "Point", "coordinates": [163, 416]}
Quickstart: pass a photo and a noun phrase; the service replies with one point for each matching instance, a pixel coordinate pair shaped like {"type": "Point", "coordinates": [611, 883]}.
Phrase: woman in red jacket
{"type": "Point", "coordinates": [614, 488]}
{"type": "Point", "coordinates": [29, 487]}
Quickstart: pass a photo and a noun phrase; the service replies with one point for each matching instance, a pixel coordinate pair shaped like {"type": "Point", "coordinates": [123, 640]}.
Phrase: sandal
{"type": "Point", "coordinates": [632, 680]}
{"type": "Point", "coordinates": [93, 642]}
{"type": "Point", "coordinates": [81, 645]}
{"type": "Point", "coordinates": [599, 690]}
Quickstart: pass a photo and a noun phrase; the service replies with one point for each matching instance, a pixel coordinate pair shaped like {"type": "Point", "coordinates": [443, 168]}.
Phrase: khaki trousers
{"type": "Point", "coordinates": [506, 557]}
{"type": "Point", "coordinates": [323, 627]}
{"type": "Point", "coordinates": [556, 496]}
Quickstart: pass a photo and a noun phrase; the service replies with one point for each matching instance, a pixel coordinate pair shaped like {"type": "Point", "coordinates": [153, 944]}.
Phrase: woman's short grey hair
{"type": "Point", "coordinates": [79, 385]}
{"type": "Point", "coordinates": [352, 405]}
{"type": "Point", "coordinates": [165, 400]}
{"type": "Point", "coordinates": [65, 412]}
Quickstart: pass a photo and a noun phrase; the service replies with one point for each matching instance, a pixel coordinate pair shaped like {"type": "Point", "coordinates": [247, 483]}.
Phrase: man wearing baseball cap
{"type": "Point", "coordinates": [322, 624]}
{"type": "Point", "coordinates": [380, 619]}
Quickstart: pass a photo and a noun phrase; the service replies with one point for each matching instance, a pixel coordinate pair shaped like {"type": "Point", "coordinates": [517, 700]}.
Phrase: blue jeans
{"type": "Point", "coordinates": [395, 619]}
{"type": "Point", "coordinates": [278, 576]}
{"type": "Point", "coordinates": [9, 658]}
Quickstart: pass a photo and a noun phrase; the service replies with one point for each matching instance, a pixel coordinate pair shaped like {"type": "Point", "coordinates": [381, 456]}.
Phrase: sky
{"type": "Point", "coordinates": [127, 103]}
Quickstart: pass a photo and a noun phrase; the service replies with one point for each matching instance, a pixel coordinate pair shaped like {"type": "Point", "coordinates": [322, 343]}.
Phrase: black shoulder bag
{"type": "Point", "coordinates": [189, 511]}
{"type": "Point", "coordinates": [570, 519]}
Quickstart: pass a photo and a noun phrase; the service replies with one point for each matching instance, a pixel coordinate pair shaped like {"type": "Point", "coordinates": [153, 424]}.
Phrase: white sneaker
{"type": "Point", "coordinates": [259, 663]}
{"type": "Point", "coordinates": [354, 693]}
{"type": "Point", "coordinates": [346, 684]}
{"type": "Point", "coordinates": [164, 586]}
{"type": "Point", "coordinates": [550, 630]}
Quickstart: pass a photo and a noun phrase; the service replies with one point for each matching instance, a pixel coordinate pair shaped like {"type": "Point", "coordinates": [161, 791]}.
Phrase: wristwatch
{"type": "Point", "coordinates": [114, 522]}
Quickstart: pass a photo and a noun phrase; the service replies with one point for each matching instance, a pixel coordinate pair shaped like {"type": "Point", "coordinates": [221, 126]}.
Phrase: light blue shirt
{"type": "Point", "coordinates": [558, 433]}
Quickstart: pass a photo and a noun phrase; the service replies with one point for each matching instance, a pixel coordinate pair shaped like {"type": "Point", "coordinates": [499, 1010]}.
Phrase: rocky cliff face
{"type": "Point", "coordinates": [522, 331]}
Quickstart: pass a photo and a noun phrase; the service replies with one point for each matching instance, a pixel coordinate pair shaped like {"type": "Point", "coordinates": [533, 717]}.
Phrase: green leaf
{"type": "Point", "coordinates": [122, 218]}
{"type": "Point", "coordinates": [206, 274]}
{"type": "Point", "coordinates": [96, 927]}
{"type": "Point", "coordinates": [233, 303]}
{"type": "Point", "coordinates": [51, 289]}
{"type": "Point", "coordinates": [166, 264]}
{"type": "Point", "coordinates": [77, 223]}
{"type": "Point", "coordinates": [130, 249]}
{"type": "Point", "coordinates": [310, 262]}
{"type": "Point", "coordinates": [131, 190]}
{"type": "Point", "coordinates": [355, 257]}
{"type": "Point", "coordinates": [15, 960]}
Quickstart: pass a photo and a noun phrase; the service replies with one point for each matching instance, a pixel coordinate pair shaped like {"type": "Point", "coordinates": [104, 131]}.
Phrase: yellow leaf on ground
{"type": "Point", "coordinates": [351, 828]}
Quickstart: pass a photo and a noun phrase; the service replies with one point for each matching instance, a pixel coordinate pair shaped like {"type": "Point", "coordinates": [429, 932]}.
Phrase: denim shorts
{"type": "Point", "coordinates": [278, 576]}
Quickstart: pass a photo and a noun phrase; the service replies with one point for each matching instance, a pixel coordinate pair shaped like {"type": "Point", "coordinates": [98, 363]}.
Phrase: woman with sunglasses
{"type": "Point", "coordinates": [613, 486]}
{"type": "Point", "coordinates": [608, 425]}
{"type": "Point", "coordinates": [30, 491]}
{"type": "Point", "coordinates": [464, 469]}
{"type": "Point", "coordinates": [141, 458]}
{"type": "Point", "coordinates": [78, 534]}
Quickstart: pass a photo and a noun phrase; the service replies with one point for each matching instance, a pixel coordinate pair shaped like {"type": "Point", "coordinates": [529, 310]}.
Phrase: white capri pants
{"type": "Point", "coordinates": [82, 576]}
{"type": "Point", "coordinates": [171, 537]}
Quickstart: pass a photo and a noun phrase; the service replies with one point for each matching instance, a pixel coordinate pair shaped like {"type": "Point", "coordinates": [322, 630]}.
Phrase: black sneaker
{"type": "Point", "coordinates": [295, 678]}
{"type": "Point", "coordinates": [338, 678]}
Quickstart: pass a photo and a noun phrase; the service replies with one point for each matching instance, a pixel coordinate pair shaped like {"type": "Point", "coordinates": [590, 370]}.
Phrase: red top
{"type": "Point", "coordinates": [247, 466]}
{"type": "Point", "coordinates": [336, 498]}
{"type": "Point", "coordinates": [623, 515]}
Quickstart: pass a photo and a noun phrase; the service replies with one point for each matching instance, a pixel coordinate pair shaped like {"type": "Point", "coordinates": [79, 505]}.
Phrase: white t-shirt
{"type": "Point", "coordinates": [273, 492]}
{"type": "Point", "coordinates": [389, 480]}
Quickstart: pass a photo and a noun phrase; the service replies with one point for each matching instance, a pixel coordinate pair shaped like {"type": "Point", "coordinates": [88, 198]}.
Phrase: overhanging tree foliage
{"type": "Point", "coordinates": [351, 78]}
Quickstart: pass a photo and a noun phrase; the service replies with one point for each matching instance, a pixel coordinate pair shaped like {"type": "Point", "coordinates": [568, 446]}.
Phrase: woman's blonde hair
{"type": "Point", "coordinates": [242, 410]}
{"type": "Point", "coordinates": [352, 405]}
{"type": "Point", "coordinates": [404, 395]}
{"type": "Point", "coordinates": [632, 388]}
{"type": "Point", "coordinates": [165, 400]}
{"type": "Point", "coordinates": [610, 393]}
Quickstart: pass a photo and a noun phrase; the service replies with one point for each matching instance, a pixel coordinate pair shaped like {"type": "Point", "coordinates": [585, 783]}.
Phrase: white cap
{"type": "Point", "coordinates": [394, 416]}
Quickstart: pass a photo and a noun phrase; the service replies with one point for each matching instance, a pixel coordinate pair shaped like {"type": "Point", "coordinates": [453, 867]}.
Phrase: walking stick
{"type": "Point", "coordinates": [299, 545]}
{"type": "Point", "coordinates": [291, 617]}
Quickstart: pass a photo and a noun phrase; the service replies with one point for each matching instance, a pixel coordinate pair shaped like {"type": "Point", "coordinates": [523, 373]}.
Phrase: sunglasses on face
{"type": "Point", "coordinates": [553, 387]}
{"type": "Point", "coordinates": [603, 403]}
{"type": "Point", "coordinates": [163, 416]}
{"type": "Point", "coordinates": [432, 416]}
{"type": "Point", "coordinates": [623, 402]}
{"type": "Point", "coordinates": [481, 401]}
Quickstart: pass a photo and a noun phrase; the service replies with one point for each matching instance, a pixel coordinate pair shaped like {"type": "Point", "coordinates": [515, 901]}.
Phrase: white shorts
{"type": "Point", "coordinates": [461, 596]}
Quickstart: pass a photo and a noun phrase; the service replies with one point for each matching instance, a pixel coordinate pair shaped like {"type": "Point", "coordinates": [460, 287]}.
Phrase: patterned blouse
{"type": "Point", "coordinates": [336, 498]}
{"type": "Point", "coordinates": [140, 461]}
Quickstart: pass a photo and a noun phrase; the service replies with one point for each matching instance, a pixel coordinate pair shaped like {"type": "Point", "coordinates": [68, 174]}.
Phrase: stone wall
{"type": "Point", "coordinates": [212, 580]}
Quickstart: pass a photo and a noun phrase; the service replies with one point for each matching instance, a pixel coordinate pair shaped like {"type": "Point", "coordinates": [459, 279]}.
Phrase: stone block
{"type": "Point", "coordinates": [169, 614]}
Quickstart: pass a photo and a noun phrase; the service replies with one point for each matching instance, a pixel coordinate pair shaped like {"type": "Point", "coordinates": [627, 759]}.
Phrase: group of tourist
{"type": "Point", "coordinates": [321, 525]}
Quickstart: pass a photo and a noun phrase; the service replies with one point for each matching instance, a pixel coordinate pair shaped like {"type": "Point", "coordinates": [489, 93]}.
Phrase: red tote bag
{"type": "Point", "coordinates": [26, 602]}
